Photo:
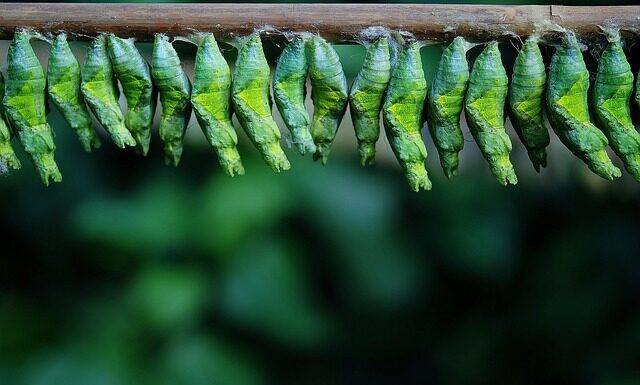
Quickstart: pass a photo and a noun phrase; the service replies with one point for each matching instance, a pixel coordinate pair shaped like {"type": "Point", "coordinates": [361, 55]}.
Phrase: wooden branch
{"type": "Point", "coordinates": [336, 22]}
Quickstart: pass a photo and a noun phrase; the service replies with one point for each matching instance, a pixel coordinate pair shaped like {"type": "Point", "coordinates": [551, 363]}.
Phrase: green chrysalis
{"type": "Point", "coordinates": [63, 86]}
{"type": "Point", "coordinates": [101, 92]}
{"type": "Point", "coordinates": [175, 89]}
{"type": "Point", "coordinates": [252, 103]}
{"type": "Point", "coordinates": [402, 115]}
{"type": "Point", "coordinates": [211, 100]}
{"type": "Point", "coordinates": [8, 158]}
{"type": "Point", "coordinates": [611, 98]}
{"type": "Point", "coordinates": [568, 111]}
{"type": "Point", "coordinates": [526, 98]}
{"type": "Point", "coordinates": [24, 105]}
{"type": "Point", "coordinates": [329, 93]}
{"type": "Point", "coordinates": [484, 110]}
{"type": "Point", "coordinates": [366, 96]}
{"type": "Point", "coordinates": [135, 77]}
{"type": "Point", "coordinates": [444, 104]}
{"type": "Point", "coordinates": [289, 91]}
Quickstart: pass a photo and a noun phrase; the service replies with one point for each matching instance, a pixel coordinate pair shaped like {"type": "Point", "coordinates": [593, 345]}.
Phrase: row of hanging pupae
{"type": "Point", "coordinates": [399, 90]}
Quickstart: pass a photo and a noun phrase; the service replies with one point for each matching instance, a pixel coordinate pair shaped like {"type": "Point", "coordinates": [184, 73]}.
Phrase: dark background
{"type": "Point", "coordinates": [132, 272]}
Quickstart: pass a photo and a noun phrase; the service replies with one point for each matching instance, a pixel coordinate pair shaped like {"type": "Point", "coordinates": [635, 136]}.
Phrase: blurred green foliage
{"type": "Point", "coordinates": [131, 272]}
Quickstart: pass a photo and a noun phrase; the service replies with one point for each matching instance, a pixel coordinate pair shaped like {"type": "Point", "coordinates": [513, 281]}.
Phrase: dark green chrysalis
{"type": "Point", "coordinates": [612, 98]}
{"type": "Point", "coordinates": [252, 103]}
{"type": "Point", "coordinates": [484, 110]}
{"type": "Point", "coordinates": [8, 158]}
{"type": "Point", "coordinates": [290, 91]}
{"type": "Point", "coordinates": [366, 96]}
{"type": "Point", "coordinates": [329, 93]}
{"type": "Point", "coordinates": [175, 90]}
{"type": "Point", "coordinates": [445, 100]}
{"type": "Point", "coordinates": [24, 106]}
{"type": "Point", "coordinates": [135, 77]}
{"type": "Point", "coordinates": [402, 115]}
{"type": "Point", "coordinates": [211, 100]}
{"type": "Point", "coordinates": [526, 99]}
{"type": "Point", "coordinates": [568, 111]}
{"type": "Point", "coordinates": [100, 91]}
{"type": "Point", "coordinates": [63, 86]}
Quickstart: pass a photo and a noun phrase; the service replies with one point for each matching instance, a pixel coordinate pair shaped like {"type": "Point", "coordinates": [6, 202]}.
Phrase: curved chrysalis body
{"type": "Point", "coordinates": [611, 98]}
{"type": "Point", "coordinates": [63, 86]}
{"type": "Point", "coordinates": [484, 110]}
{"type": "Point", "coordinates": [8, 158]}
{"type": "Point", "coordinates": [101, 92]}
{"type": "Point", "coordinates": [402, 115]}
{"type": "Point", "coordinates": [445, 99]}
{"type": "Point", "coordinates": [289, 92]}
{"type": "Point", "coordinates": [24, 106]}
{"type": "Point", "coordinates": [329, 93]}
{"type": "Point", "coordinates": [366, 96]}
{"type": "Point", "coordinates": [568, 112]}
{"type": "Point", "coordinates": [252, 104]}
{"type": "Point", "coordinates": [135, 77]}
{"type": "Point", "coordinates": [526, 98]}
{"type": "Point", "coordinates": [175, 89]}
{"type": "Point", "coordinates": [211, 101]}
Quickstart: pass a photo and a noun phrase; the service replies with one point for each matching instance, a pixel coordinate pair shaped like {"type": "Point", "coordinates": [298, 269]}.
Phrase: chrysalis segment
{"type": "Point", "coordinates": [329, 93]}
{"type": "Point", "coordinates": [289, 92]}
{"type": "Point", "coordinates": [8, 158]}
{"type": "Point", "coordinates": [484, 110]}
{"type": "Point", "coordinates": [612, 98]}
{"type": "Point", "coordinates": [175, 89]}
{"type": "Point", "coordinates": [101, 92]}
{"type": "Point", "coordinates": [252, 104]}
{"type": "Point", "coordinates": [211, 100]}
{"type": "Point", "coordinates": [444, 104]}
{"type": "Point", "coordinates": [402, 116]}
{"type": "Point", "coordinates": [567, 93]}
{"type": "Point", "coordinates": [366, 96]}
{"type": "Point", "coordinates": [135, 77]}
{"type": "Point", "coordinates": [63, 86]}
{"type": "Point", "coordinates": [526, 98]}
{"type": "Point", "coordinates": [24, 106]}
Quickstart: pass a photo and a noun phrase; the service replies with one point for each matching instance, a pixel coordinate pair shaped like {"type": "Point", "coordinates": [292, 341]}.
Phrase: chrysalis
{"type": "Point", "coordinates": [366, 96]}
{"type": "Point", "coordinates": [252, 104]}
{"type": "Point", "coordinates": [211, 100]}
{"type": "Point", "coordinates": [24, 105]}
{"type": "Point", "coordinates": [8, 158]}
{"type": "Point", "coordinates": [612, 98]}
{"type": "Point", "coordinates": [63, 86]}
{"type": "Point", "coordinates": [329, 93]}
{"type": "Point", "coordinates": [101, 92]}
{"type": "Point", "coordinates": [484, 110]}
{"type": "Point", "coordinates": [135, 77]}
{"type": "Point", "coordinates": [402, 116]}
{"type": "Point", "coordinates": [445, 98]}
{"type": "Point", "coordinates": [567, 93]}
{"type": "Point", "coordinates": [526, 98]}
{"type": "Point", "coordinates": [289, 91]}
{"type": "Point", "coordinates": [175, 90]}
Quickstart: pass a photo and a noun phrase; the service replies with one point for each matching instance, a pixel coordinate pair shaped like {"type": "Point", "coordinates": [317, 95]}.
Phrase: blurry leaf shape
{"type": "Point", "coordinates": [168, 297]}
{"type": "Point", "coordinates": [265, 290]}
{"type": "Point", "coordinates": [477, 235]}
{"type": "Point", "coordinates": [358, 213]}
{"type": "Point", "coordinates": [151, 220]}
{"type": "Point", "coordinates": [228, 210]}
{"type": "Point", "coordinates": [205, 360]}
{"type": "Point", "coordinates": [64, 366]}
